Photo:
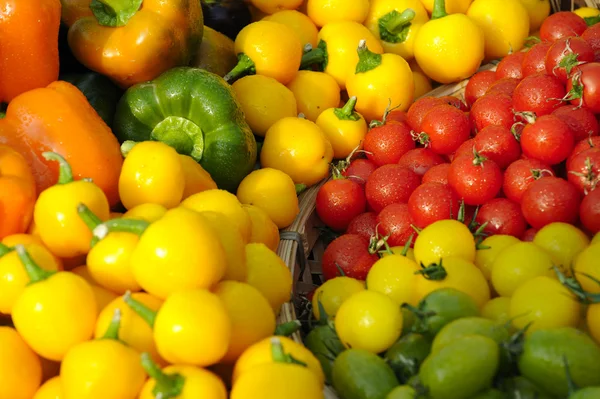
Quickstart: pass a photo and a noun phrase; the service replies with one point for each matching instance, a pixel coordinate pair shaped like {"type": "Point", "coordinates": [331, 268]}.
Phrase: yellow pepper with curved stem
{"type": "Point", "coordinates": [149, 212]}
{"type": "Point", "coordinates": [344, 127]}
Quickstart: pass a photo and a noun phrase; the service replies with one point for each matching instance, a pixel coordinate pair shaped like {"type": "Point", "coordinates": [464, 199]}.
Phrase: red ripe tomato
{"type": "Point", "coordinates": [444, 129]}
{"type": "Point", "coordinates": [529, 234]}
{"type": "Point", "coordinates": [581, 121]}
{"type": "Point", "coordinates": [583, 145]}
{"type": "Point", "coordinates": [498, 144]}
{"type": "Point", "coordinates": [504, 86]}
{"type": "Point", "coordinates": [535, 59]}
{"type": "Point", "coordinates": [455, 102]}
{"type": "Point", "coordinates": [339, 201]}
{"type": "Point", "coordinates": [432, 202]}
{"type": "Point", "coordinates": [437, 174]}
{"type": "Point", "coordinates": [584, 86]}
{"type": "Point", "coordinates": [418, 109]}
{"type": "Point", "coordinates": [390, 184]}
{"type": "Point", "coordinates": [465, 148]}
{"type": "Point", "coordinates": [539, 93]}
{"type": "Point", "coordinates": [549, 139]}
{"type": "Point", "coordinates": [550, 199]}
{"type": "Point", "coordinates": [351, 253]}
{"type": "Point", "coordinates": [565, 54]}
{"type": "Point", "coordinates": [385, 144]}
{"type": "Point", "coordinates": [562, 24]}
{"type": "Point", "coordinates": [397, 115]}
{"type": "Point", "coordinates": [492, 109]}
{"type": "Point", "coordinates": [359, 170]}
{"type": "Point", "coordinates": [394, 222]}
{"type": "Point", "coordinates": [364, 225]}
{"type": "Point", "coordinates": [589, 211]}
{"type": "Point", "coordinates": [420, 160]}
{"type": "Point", "coordinates": [478, 84]}
{"type": "Point", "coordinates": [510, 66]}
{"type": "Point", "coordinates": [520, 174]}
{"type": "Point", "coordinates": [592, 36]}
{"type": "Point", "coordinates": [584, 170]}
{"type": "Point", "coordinates": [475, 178]}
{"type": "Point", "coordinates": [502, 216]}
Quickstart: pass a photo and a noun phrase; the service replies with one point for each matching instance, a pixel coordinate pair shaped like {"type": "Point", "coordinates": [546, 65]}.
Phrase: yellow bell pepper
{"type": "Point", "coordinates": [314, 92]}
{"type": "Point", "coordinates": [323, 12]}
{"type": "Point", "coordinates": [301, 24]}
{"type": "Point", "coordinates": [102, 295]}
{"type": "Point", "coordinates": [196, 178]}
{"type": "Point", "coordinates": [20, 368]}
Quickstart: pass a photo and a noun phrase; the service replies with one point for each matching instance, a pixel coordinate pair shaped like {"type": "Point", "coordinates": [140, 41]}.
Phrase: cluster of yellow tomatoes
{"type": "Point", "coordinates": [108, 305]}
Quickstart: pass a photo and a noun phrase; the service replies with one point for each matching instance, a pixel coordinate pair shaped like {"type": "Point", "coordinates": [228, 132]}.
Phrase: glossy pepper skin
{"type": "Point", "coordinates": [58, 118]}
{"type": "Point", "coordinates": [133, 41]}
{"type": "Point", "coordinates": [28, 45]}
{"type": "Point", "coordinates": [195, 112]}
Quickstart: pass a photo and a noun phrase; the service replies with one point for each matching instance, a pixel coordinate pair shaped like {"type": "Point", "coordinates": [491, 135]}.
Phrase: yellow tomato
{"type": "Point", "coordinates": [197, 383]}
{"type": "Point", "coordinates": [394, 276]}
{"type": "Point", "coordinates": [538, 11]}
{"type": "Point", "coordinates": [588, 263]}
{"type": "Point", "coordinates": [273, 6]}
{"type": "Point", "coordinates": [20, 367]}
{"type": "Point", "coordinates": [264, 230]}
{"type": "Point", "coordinates": [596, 239]}
{"type": "Point", "coordinates": [593, 321]}
{"type": "Point", "coordinates": [301, 24]}
{"type": "Point", "coordinates": [274, 192]}
{"type": "Point", "coordinates": [491, 247]}
{"type": "Point", "coordinates": [505, 25]}
{"type": "Point", "coordinates": [333, 293]}
{"type": "Point", "coordinates": [442, 239]}
{"type": "Point", "coordinates": [315, 92]}
{"type": "Point", "coordinates": [299, 148]}
{"type": "Point", "coordinates": [149, 212]}
{"type": "Point", "coordinates": [264, 101]}
{"type": "Point", "coordinates": [410, 254]}
{"type": "Point", "coordinates": [545, 303]}
{"type": "Point", "coordinates": [323, 12]}
{"type": "Point", "coordinates": [102, 295]}
{"type": "Point", "coordinates": [452, 6]}
{"type": "Point", "coordinates": [563, 242]}
{"type": "Point", "coordinates": [497, 309]}
{"type": "Point", "coordinates": [196, 178]}
{"type": "Point", "coordinates": [52, 389]}
{"type": "Point", "coordinates": [585, 12]}
{"type": "Point", "coordinates": [517, 264]}
{"type": "Point", "coordinates": [369, 320]}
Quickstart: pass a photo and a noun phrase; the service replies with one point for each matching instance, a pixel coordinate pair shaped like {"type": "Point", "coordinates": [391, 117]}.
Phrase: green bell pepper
{"type": "Point", "coordinates": [195, 112]}
{"type": "Point", "coordinates": [100, 91]}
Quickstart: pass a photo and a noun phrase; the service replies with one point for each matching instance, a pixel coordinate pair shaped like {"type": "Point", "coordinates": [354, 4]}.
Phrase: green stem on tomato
{"type": "Point", "coordinates": [439, 9]}
{"type": "Point", "coordinates": [167, 385]}
{"type": "Point", "coordinates": [434, 272]}
{"type": "Point", "coordinates": [65, 173]}
{"type": "Point", "coordinates": [114, 13]}
{"type": "Point", "coordinates": [147, 314]}
{"type": "Point", "coordinates": [245, 66]}
{"type": "Point", "coordinates": [34, 272]}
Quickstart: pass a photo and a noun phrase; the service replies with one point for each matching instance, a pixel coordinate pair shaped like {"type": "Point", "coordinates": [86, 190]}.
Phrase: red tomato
{"type": "Point", "coordinates": [589, 211]}
{"type": "Point", "coordinates": [492, 109]}
{"type": "Point", "coordinates": [385, 144]}
{"type": "Point", "coordinates": [549, 139]}
{"type": "Point", "coordinates": [520, 174]}
{"type": "Point", "coordinates": [510, 66]}
{"type": "Point", "coordinates": [351, 253]}
{"type": "Point", "coordinates": [504, 86]}
{"type": "Point", "coordinates": [455, 102]}
{"type": "Point", "coordinates": [390, 184]}
{"type": "Point", "coordinates": [583, 145]}
{"type": "Point", "coordinates": [475, 178]}
{"type": "Point", "coordinates": [562, 24]}
{"type": "Point", "coordinates": [529, 234]}
{"type": "Point", "coordinates": [584, 170]}
{"type": "Point", "coordinates": [535, 59]}
{"type": "Point", "coordinates": [432, 202]}
{"type": "Point", "coordinates": [465, 148]}
{"type": "Point", "coordinates": [587, 77]}
{"type": "Point", "coordinates": [363, 225]}
{"type": "Point", "coordinates": [339, 201]}
{"type": "Point", "coordinates": [394, 222]}
{"type": "Point", "coordinates": [444, 129]}
{"type": "Point", "coordinates": [565, 54]}
{"type": "Point", "coordinates": [550, 199]}
{"type": "Point", "coordinates": [437, 174]}
{"type": "Point", "coordinates": [420, 160]}
{"type": "Point", "coordinates": [581, 121]}
{"type": "Point", "coordinates": [498, 144]}
{"type": "Point", "coordinates": [592, 36]}
{"type": "Point", "coordinates": [397, 115]}
{"type": "Point", "coordinates": [359, 170]}
{"type": "Point", "coordinates": [538, 93]}
{"type": "Point", "coordinates": [418, 109]}
{"type": "Point", "coordinates": [478, 84]}
{"type": "Point", "coordinates": [502, 216]}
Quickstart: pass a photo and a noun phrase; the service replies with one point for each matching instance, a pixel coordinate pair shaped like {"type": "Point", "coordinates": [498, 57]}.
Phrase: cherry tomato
{"type": "Point", "coordinates": [444, 129]}
{"type": "Point", "coordinates": [502, 216]}
{"type": "Point", "coordinates": [455, 102]}
{"type": "Point", "coordinates": [387, 143]}
{"type": "Point", "coordinates": [437, 174]}
{"type": "Point", "coordinates": [431, 202]}
{"type": "Point", "coordinates": [565, 54]}
{"type": "Point", "coordinates": [465, 148]}
{"type": "Point", "coordinates": [419, 109]}
{"type": "Point", "coordinates": [397, 115]}
{"type": "Point", "coordinates": [538, 93]}
{"type": "Point", "coordinates": [529, 234]}
{"type": "Point", "coordinates": [394, 222]}
{"type": "Point", "coordinates": [351, 253]}
{"type": "Point", "coordinates": [549, 139]}
{"type": "Point", "coordinates": [511, 66]}
{"type": "Point", "coordinates": [420, 160]}
{"type": "Point", "coordinates": [492, 109]}
{"type": "Point", "coordinates": [535, 59]}
{"type": "Point", "coordinates": [364, 225]}
{"type": "Point", "coordinates": [562, 24]}
{"type": "Point", "coordinates": [359, 170]}
{"type": "Point", "coordinates": [589, 211]}
{"type": "Point", "coordinates": [584, 86]}
{"type": "Point", "coordinates": [581, 121]}
{"type": "Point", "coordinates": [520, 174]}
{"type": "Point", "coordinates": [592, 36]}
{"type": "Point", "coordinates": [590, 142]}
{"type": "Point", "coordinates": [498, 144]}
{"type": "Point", "coordinates": [339, 201]}
{"type": "Point", "coordinates": [478, 84]}
{"type": "Point", "coordinates": [584, 170]}
{"type": "Point", "coordinates": [504, 86]}
{"type": "Point", "coordinates": [475, 178]}
{"type": "Point", "coordinates": [550, 199]}
{"type": "Point", "coordinates": [390, 184]}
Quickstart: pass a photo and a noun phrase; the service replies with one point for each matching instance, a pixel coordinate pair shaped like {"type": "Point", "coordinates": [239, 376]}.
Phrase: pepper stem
{"type": "Point", "coordinates": [167, 385]}
{"type": "Point", "coordinates": [279, 354]}
{"type": "Point", "coordinates": [4, 250]}
{"type": "Point", "coordinates": [287, 329]}
{"type": "Point", "coordinates": [182, 134]}
{"type": "Point", "coordinates": [120, 225]}
{"type": "Point", "coordinates": [316, 56]}
{"type": "Point", "coordinates": [142, 310]}
{"type": "Point", "coordinates": [34, 272]}
{"type": "Point", "coordinates": [439, 9]}
{"type": "Point", "coordinates": [367, 60]}
{"type": "Point", "coordinates": [398, 21]}
{"type": "Point", "coordinates": [126, 147]}
{"type": "Point", "coordinates": [245, 66]}
{"type": "Point", "coordinates": [65, 173]}
{"type": "Point", "coordinates": [114, 13]}
{"type": "Point", "coordinates": [347, 112]}
{"type": "Point", "coordinates": [89, 218]}
{"type": "Point", "coordinates": [112, 332]}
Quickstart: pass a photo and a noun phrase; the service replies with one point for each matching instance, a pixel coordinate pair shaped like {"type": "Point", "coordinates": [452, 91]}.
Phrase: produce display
{"type": "Point", "coordinates": [152, 152]}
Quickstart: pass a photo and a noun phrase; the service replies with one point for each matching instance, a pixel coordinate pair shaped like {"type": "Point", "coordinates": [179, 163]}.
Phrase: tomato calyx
{"type": "Point", "coordinates": [375, 123]}
{"type": "Point", "coordinates": [422, 317]}
{"type": "Point", "coordinates": [433, 272]}
{"type": "Point", "coordinates": [574, 286]}
{"type": "Point", "coordinates": [527, 116]}
{"type": "Point", "coordinates": [569, 61]}
{"type": "Point", "coordinates": [395, 26]}
{"type": "Point", "coordinates": [279, 355]}
{"type": "Point", "coordinates": [513, 347]}
{"type": "Point", "coordinates": [591, 179]}
{"type": "Point", "coordinates": [147, 314]}
{"type": "Point", "coordinates": [288, 328]}
{"type": "Point", "coordinates": [421, 138]}
{"type": "Point", "coordinates": [34, 272]}
{"type": "Point", "coordinates": [474, 227]}
{"type": "Point", "coordinates": [167, 385]}
{"type": "Point", "coordinates": [576, 92]}
{"type": "Point", "coordinates": [531, 41]}
{"type": "Point", "coordinates": [367, 60]}
{"type": "Point", "coordinates": [478, 159]}
{"type": "Point", "coordinates": [591, 21]}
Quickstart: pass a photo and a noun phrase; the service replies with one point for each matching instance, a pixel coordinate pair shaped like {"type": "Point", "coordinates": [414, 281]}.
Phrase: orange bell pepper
{"type": "Point", "coordinates": [28, 45]}
{"type": "Point", "coordinates": [17, 193]}
{"type": "Point", "coordinates": [58, 118]}
{"type": "Point", "coordinates": [131, 43]}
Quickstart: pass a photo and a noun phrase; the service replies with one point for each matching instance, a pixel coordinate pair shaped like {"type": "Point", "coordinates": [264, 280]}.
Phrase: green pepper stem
{"type": "Point", "coordinates": [245, 66]}
{"type": "Point", "coordinates": [120, 225]}
{"type": "Point", "coordinates": [112, 332]}
{"type": "Point", "coordinates": [287, 329]}
{"type": "Point", "coordinates": [114, 13]}
{"type": "Point", "coordinates": [167, 385]}
{"type": "Point", "coordinates": [439, 9]}
{"type": "Point", "coordinates": [4, 250]}
{"type": "Point", "coordinates": [89, 218]}
{"type": "Point", "coordinates": [65, 173]}
{"type": "Point", "coordinates": [300, 188]}
{"type": "Point", "coordinates": [347, 112]}
{"type": "Point", "coordinates": [367, 60]}
{"type": "Point", "coordinates": [34, 272]}
{"type": "Point", "coordinates": [126, 147]}
{"type": "Point", "coordinates": [316, 56]}
{"type": "Point", "coordinates": [399, 21]}
{"type": "Point", "coordinates": [142, 310]}
{"type": "Point", "coordinates": [182, 134]}
{"type": "Point", "coordinates": [323, 316]}
{"type": "Point", "coordinates": [279, 355]}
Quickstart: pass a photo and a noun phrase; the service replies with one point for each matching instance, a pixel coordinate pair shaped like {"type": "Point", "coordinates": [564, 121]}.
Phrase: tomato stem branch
{"type": "Point", "coordinates": [65, 173]}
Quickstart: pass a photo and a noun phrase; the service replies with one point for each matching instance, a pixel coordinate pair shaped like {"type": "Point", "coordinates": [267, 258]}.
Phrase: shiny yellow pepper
{"type": "Point", "coordinates": [20, 368]}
